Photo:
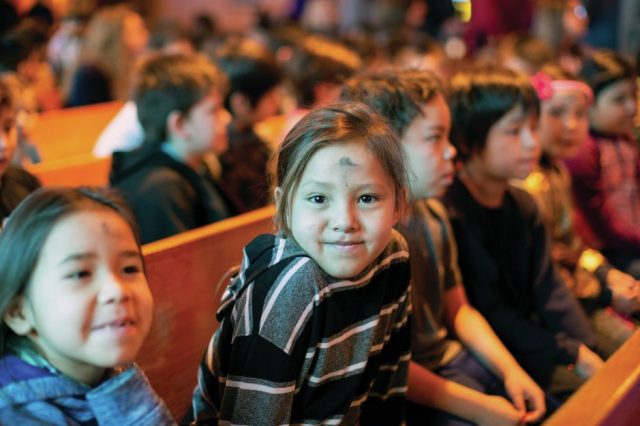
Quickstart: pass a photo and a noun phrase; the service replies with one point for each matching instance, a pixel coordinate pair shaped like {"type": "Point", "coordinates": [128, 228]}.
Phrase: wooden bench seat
{"type": "Point", "coordinates": [611, 397]}
{"type": "Point", "coordinates": [183, 271]}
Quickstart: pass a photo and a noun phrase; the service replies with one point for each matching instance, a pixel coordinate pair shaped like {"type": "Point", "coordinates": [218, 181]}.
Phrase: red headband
{"type": "Point", "coordinates": [545, 86]}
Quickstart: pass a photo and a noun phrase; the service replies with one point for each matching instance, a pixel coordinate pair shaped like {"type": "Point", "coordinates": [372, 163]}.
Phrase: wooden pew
{"type": "Point", "coordinates": [71, 132]}
{"type": "Point", "coordinates": [183, 272]}
{"type": "Point", "coordinates": [611, 397]}
{"type": "Point", "coordinates": [78, 171]}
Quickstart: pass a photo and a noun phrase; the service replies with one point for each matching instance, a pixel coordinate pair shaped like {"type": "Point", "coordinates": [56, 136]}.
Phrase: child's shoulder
{"type": "Point", "coordinates": [397, 247]}
{"type": "Point", "coordinates": [275, 259]}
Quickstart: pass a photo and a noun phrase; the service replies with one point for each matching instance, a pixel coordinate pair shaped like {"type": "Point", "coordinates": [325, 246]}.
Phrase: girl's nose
{"type": "Point", "coordinates": [344, 219]}
{"type": "Point", "coordinates": [113, 290]}
{"type": "Point", "coordinates": [571, 123]}
{"type": "Point", "coordinates": [529, 138]}
{"type": "Point", "coordinates": [450, 152]}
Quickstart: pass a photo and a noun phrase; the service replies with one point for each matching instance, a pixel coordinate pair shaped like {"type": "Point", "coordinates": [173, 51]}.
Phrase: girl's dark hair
{"type": "Point", "coordinates": [339, 124]}
{"type": "Point", "coordinates": [605, 67]}
{"type": "Point", "coordinates": [398, 96]}
{"type": "Point", "coordinates": [479, 98]}
{"type": "Point", "coordinates": [27, 228]}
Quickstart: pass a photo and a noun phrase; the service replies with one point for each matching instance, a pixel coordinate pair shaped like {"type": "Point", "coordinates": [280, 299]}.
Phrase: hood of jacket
{"type": "Point", "coordinates": [260, 254]}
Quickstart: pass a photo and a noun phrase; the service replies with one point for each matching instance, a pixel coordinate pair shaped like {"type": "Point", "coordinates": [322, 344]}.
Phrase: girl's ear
{"type": "Point", "coordinates": [16, 317]}
{"type": "Point", "coordinates": [401, 207]}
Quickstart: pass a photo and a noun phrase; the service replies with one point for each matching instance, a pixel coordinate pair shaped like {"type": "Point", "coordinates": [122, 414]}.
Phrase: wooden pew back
{"type": "Point", "coordinates": [71, 132]}
{"type": "Point", "coordinates": [183, 272]}
{"type": "Point", "coordinates": [86, 170]}
{"type": "Point", "coordinates": [611, 397]}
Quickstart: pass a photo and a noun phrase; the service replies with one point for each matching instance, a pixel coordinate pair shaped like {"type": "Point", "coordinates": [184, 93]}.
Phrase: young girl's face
{"type": "Point", "coordinates": [564, 123]}
{"type": "Point", "coordinates": [88, 303]}
{"type": "Point", "coordinates": [344, 209]}
{"type": "Point", "coordinates": [512, 149]}
{"type": "Point", "coordinates": [615, 108]}
{"type": "Point", "coordinates": [8, 137]}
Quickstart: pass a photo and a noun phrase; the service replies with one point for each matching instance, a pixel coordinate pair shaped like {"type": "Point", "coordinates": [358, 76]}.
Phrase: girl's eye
{"type": "Point", "coordinates": [132, 269]}
{"type": "Point", "coordinates": [368, 199]}
{"type": "Point", "coordinates": [79, 275]}
{"type": "Point", "coordinates": [556, 112]}
{"type": "Point", "coordinates": [432, 138]}
{"type": "Point", "coordinates": [317, 199]}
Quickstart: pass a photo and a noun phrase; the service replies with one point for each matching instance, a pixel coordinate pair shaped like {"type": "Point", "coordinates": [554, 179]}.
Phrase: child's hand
{"type": "Point", "coordinates": [588, 362]}
{"type": "Point", "coordinates": [497, 411]}
{"type": "Point", "coordinates": [625, 291]}
{"type": "Point", "coordinates": [526, 395]}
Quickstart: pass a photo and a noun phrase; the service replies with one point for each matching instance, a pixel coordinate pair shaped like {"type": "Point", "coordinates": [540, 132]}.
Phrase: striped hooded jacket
{"type": "Point", "coordinates": [297, 346]}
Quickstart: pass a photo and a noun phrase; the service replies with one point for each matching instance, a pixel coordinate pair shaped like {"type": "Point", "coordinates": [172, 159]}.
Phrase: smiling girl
{"type": "Point", "coordinates": [76, 308]}
{"type": "Point", "coordinates": [314, 329]}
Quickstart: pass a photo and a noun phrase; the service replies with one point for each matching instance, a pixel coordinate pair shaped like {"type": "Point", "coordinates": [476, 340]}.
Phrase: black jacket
{"type": "Point", "coordinates": [167, 197]}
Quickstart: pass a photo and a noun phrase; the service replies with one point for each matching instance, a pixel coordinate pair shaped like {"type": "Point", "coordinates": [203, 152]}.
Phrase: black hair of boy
{"type": "Point", "coordinates": [252, 70]}
{"type": "Point", "coordinates": [495, 91]}
{"type": "Point", "coordinates": [320, 60]}
{"type": "Point", "coordinates": [605, 67]}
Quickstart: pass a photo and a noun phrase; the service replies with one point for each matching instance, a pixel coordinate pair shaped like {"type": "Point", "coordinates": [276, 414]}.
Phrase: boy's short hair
{"type": "Point", "coordinates": [605, 67]}
{"type": "Point", "coordinates": [397, 95]}
{"type": "Point", "coordinates": [20, 43]}
{"type": "Point", "coordinates": [320, 60]}
{"type": "Point", "coordinates": [171, 82]}
{"type": "Point", "coordinates": [251, 68]}
{"type": "Point", "coordinates": [479, 98]}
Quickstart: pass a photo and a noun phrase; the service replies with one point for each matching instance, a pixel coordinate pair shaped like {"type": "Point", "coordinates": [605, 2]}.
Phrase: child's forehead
{"type": "Point", "coordinates": [572, 96]}
{"type": "Point", "coordinates": [341, 154]}
{"type": "Point", "coordinates": [343, 159]}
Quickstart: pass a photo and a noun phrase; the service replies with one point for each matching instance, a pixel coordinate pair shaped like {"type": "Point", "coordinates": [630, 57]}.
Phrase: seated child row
{"type": "Point", "coordinates": [321, 324]}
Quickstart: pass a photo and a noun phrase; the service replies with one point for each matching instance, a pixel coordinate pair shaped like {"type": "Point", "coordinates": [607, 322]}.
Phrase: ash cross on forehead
{"type": "Point", "coordinates": [346, 161]}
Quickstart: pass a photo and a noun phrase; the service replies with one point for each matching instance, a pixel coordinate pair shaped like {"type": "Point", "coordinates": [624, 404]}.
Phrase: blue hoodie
{"type": "Point", "coordinates": [38, 394]}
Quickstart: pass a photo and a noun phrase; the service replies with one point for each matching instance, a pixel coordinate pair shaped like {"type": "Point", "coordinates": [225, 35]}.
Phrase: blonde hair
{"type": "Point", "coordinates": [104, 46]}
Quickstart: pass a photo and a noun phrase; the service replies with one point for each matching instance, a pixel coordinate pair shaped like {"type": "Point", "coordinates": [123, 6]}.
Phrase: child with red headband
{"type": "Point", "coordinates": [606, 170]}
{"type": "Point", "coordinates": [564, 126]}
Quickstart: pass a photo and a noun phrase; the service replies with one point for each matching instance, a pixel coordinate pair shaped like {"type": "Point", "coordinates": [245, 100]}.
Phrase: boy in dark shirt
{"type": "Point", "coordinates": [448, 382]}
{"type": "Point", "coordinates": [169, 181]}
{"type": "Point", "coordinates": [503, 245]}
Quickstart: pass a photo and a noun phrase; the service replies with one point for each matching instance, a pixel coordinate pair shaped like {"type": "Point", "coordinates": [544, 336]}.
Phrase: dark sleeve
{"type": "Point", "coordinates": [555, 303]}
{"type": "Point", "coordinates": [164, 207]}
{"type": "Point", "coordinates": [452, 274]}
{"type": "Point", "coordinates": [90, 85]}
{"type": "Point", "coordinates": [591, 201]}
